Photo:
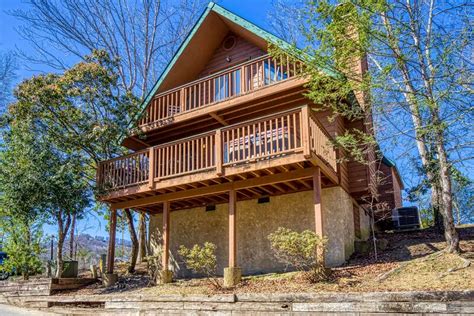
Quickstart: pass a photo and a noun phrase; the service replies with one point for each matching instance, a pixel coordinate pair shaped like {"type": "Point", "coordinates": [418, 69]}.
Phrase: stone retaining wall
{"type": "Point", "coordinates": [446, 303]}
{"type": "Point", "coordinates": [40, 287]}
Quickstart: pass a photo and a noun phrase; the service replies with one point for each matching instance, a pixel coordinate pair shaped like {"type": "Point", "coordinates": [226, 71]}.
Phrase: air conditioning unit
{"type": "Point", "coordinates": [406, 217]}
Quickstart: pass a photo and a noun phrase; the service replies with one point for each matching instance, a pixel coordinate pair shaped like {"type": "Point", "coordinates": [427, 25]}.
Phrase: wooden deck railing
{"type": "Point", "coordinates": [226, 84]}
{"type": "Point", "coordinates": [184, 156]}
{"type": "Point", "coordinates": [265, 138]}
{"type": "Point", "coordinates": [132, 169]}
{"type": "Point", "coordinates": [261, 139]}
{"type": "Point", "coordinates": [319, 142]}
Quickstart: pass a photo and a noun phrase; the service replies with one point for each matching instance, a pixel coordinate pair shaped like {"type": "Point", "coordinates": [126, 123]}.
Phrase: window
{"type": "Point", "coordinates": [210, 207]}
{"type": "Point", "coordinates": [227, 85]}
{"type": "Point", "coordinates": [229, 43]}
{"type": "Point", "coordinates": [272, 74]}
{"type": "Point", "coordinates": [264, 199]}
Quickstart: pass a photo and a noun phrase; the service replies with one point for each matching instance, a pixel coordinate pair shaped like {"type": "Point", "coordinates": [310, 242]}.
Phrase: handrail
{"type": "Point", "coordinates": [126, 155]}
{"type": "Point", "coordinates": [184, 139]}
{"type": "Point", "coordinates": [269, 116]}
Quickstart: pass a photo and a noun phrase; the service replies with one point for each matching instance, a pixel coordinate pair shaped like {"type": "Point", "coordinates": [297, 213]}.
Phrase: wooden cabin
{"type": "Point", "coordinates": [227, 149]}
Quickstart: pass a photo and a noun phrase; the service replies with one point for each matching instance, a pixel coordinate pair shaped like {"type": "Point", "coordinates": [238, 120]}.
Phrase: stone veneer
{"type": "Point", "coordinates": [255, 222]}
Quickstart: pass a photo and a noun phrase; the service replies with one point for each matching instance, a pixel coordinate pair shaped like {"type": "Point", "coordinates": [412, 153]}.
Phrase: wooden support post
{"type": "Point", "coordinates": [305, 131]}
{"type": "Point", "coordinates": [166, 234]}
{"type": "Point", "coordinates": [318, 211]}
{"type": "Point", "coordinates": [151, 165]}
{"type": "Point", "coordinates": [232, 229]}
{"type": "Point", "coordinates": [111, 250]}
{"type": "Point", "coordinates": [232, 274]}
{"type": "Point", "coordinates": [219, 153]}
{"type": "Point", "coordinates": [166, 276]}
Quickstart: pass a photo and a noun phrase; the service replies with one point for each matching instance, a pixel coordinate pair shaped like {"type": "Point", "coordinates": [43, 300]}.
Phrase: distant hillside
{"type": "Point", "coordinates": [89, 249]}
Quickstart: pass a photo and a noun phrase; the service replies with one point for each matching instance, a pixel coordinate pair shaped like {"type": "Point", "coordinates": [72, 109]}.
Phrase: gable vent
{"type": "Point", "coordinates": [229, 42]}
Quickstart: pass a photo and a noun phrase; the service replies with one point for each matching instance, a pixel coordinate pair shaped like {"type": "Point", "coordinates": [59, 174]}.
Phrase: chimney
{"type": "Point", "coordinates": [355, 60]}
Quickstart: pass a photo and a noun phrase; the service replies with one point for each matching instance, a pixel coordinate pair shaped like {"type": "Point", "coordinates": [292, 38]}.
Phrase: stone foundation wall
{"type": "Point", "coordinates": [364, 224]}
{"type": "Point", "coordinates": [254, 223]}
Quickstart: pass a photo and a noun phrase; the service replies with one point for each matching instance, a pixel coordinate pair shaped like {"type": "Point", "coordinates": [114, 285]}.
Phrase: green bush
{"type": "Point", "coordinates": [202, 260]}
{"type": "Point", "coordinates": [303, 251]}
{"type": "Point", "coordinates": [23, 246]}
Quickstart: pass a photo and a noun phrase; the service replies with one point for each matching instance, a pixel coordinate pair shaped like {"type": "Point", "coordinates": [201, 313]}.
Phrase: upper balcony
{"type": "Point", "coordinates": [220, 91]}
{"type": "Point", "coordinates": [279, 143]}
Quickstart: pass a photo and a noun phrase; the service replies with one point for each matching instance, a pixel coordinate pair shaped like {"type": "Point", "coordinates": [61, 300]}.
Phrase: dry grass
{"type": "Point", "coordinates": [425, 273]}
{"type": "Point", "coordinates": [412, 261]}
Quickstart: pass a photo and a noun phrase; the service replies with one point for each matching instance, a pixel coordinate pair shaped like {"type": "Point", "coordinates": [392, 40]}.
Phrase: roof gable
{"type": "Point", "coordinates": [225, 57]}
{"type": "Point", "coordinates": [201, 43]}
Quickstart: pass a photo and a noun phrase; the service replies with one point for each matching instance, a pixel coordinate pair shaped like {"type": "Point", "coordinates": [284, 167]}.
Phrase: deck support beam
{"type": "Point", "coordinates": [166, 275]}
{"type": "Point", "coordinates": [232, 274]}
{"type": "Point", "coordinates": [110, 278]}
{"type": "Point", "coordinates": [318, 210]}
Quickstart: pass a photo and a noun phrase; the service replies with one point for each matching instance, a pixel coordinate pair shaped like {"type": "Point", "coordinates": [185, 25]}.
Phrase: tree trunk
{"type": "Point", "coordinates": [450, 233]}
{"type": "Point", "coordinates": [435, 205]}
{"type": "Point", "coordinates": [26, 274]}
{"type": "Point", "coordinates": [71, 237]}
{"type": "Point", "coordinates": [133, 237]}
{"type": "Point", "coordinates": [142, 253]}
{"type": "Point", "coordinates": [62, 232]}
{"type": "Point", "coordinates": [415, 112]}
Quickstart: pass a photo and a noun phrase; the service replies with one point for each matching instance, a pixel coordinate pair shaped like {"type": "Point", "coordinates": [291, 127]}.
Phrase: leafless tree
{"type": "Point", "coordinates": [286, 19]}
{"type": "Point", "coordinates": [143, 34]}
{"type": "Point", "coordinates": [420, 56]}
{"type": "Point", "coordinates": [8, 67]}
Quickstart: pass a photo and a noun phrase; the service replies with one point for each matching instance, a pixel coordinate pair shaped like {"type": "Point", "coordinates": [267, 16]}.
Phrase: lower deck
{"type": "Point", "coordinates": [255, 220]}
{"type": "Point", "coordinates": [268, 156]}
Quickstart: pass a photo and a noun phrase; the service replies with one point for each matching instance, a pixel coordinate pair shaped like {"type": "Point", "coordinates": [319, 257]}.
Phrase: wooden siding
{"type": "Point", "coordinates": [358, 174]}
{"type": "Point", "coordinates": [386, 189]}
{"type": "Point", "coordinates": [241, 52]}
{"type": "Point", "coordinates": [390, 193]}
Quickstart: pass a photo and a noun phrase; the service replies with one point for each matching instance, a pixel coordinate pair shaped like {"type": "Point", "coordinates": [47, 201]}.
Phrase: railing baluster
{"type": "Point", "coordinates": [254, 140]}
{"type": "Point", "coordinates": [188, 157]}
{"type": "Point", "coordinates": [193, 156]}
{"type": "Point", "coordinates": [159, 164]}
{"type": "Point", "coordinates": [284, 131]}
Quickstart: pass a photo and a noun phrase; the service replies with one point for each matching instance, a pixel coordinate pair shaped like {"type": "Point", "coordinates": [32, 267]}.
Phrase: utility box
{"type": "Point", "coordinates": [70, 269]}
{"type": "Point", "coordinates": [406, 218]}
